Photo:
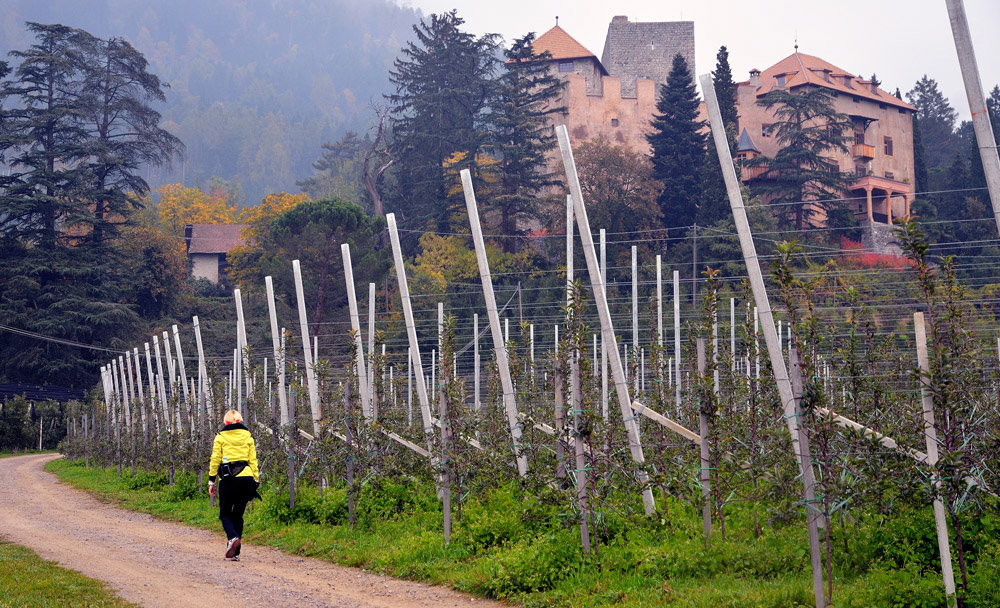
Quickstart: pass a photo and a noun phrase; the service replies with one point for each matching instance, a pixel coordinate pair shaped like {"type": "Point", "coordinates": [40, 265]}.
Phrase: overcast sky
{"type": "Point", "coordinates": [899, 40]}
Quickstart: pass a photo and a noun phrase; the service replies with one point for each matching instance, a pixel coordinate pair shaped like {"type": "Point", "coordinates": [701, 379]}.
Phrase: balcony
{"type": "Point", "coordinates": [864, 151]}
{"type": "Point", "coordinates": [751, 173]}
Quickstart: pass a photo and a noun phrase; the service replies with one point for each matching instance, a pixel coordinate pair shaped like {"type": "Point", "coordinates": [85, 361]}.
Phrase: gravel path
{"type": "Point", "coordinates": [156, 563]}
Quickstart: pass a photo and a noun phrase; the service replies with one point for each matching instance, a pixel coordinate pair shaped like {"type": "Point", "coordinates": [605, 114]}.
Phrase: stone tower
{"type": "Point", "coordinates": [636, 50]}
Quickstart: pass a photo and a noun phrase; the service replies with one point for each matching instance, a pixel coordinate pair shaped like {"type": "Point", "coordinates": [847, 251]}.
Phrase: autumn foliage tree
{"type": "Point", "coordinates": [180, 205]}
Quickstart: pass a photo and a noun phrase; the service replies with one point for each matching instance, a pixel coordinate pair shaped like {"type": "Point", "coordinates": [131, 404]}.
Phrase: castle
{"type": "Point", "coordinates": [615, 97]}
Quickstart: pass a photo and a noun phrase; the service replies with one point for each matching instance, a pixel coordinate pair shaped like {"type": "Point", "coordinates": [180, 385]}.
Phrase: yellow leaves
{"type": "Point", "coordinates": [259, 217]}
{"type": "Point", "coordinates": [180, 205]}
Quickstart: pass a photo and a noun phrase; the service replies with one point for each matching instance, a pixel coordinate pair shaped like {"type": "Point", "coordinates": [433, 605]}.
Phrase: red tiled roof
{"type": "Point", "coordinates": [560, 44]}
{"type": "Point", "coordinates": [800, 69]}
{"type": "Point", "coordinates": [214, 238]}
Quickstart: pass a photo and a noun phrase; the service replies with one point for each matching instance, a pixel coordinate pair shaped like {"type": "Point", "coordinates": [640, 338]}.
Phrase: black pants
{"type": "Point", "coordinates": [234, 494]}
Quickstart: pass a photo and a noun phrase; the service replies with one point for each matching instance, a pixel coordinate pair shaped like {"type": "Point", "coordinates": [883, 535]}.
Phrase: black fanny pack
{"type": "Point", "coordinates": [232, 469]}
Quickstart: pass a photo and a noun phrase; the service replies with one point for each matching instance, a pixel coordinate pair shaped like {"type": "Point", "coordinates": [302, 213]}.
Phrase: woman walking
{"type": "Point", "coordinates": [234, 462]}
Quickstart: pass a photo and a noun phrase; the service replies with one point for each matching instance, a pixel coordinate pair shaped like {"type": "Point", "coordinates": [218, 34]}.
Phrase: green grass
{"type": "Point", "coordinates": [30, 581]}
{"type": "Point", "coordinates": [524, 549]}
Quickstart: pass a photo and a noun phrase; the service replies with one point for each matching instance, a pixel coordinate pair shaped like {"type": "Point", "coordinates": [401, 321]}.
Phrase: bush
{"type": "Point", "coordinates": [533, 565]}
{"type": "Point", "coordinates": [310, 506]}
{"type": "Point", "coordinates": [494, 522]}
{"type": "Point", "coordinates": [382, 500]}
{"type": "Point", "coordinates": [906, 588]}
{"type": "Point", "coordinates": [143, 479]}
{"type": "Point", "coordinates": [185, 487]}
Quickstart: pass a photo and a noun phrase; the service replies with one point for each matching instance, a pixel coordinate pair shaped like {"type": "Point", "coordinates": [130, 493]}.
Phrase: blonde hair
{"type": "Point", "coordinates": [232, 416]}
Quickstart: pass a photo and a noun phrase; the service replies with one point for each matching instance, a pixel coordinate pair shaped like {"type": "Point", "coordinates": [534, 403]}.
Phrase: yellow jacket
{"type": "Point", "coordinates": [234, 443]}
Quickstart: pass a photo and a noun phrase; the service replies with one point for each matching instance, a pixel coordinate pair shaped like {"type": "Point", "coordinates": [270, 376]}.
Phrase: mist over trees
{"type": "Point", "coordinates": [254, 87]}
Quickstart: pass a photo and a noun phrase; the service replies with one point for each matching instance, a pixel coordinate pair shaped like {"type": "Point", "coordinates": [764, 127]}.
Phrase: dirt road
{"type": "Point", "coordinates": [156, 563]}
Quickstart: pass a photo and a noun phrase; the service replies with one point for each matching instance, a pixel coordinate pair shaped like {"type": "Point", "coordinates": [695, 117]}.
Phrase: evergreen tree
{"type": "Point", "coordinates": [715, 201]}
{"type": "Point", "coordinates": [78, 131]}
{"type": "Point", "coordinates": [122, 129]}
{"type": "Point", "coordinates": [937, 122]}
{"type": "Point", "coordinates": [678, 147]}
{"type": "Point", "coordinates": [807, 129]}
{"type": "Point", "coordinates": [919, 163]}
{"type": "Point", "coordinates": [338, 169]}
{"type": "Point", "coordinates": [444, 82]}
{"type": "Point", "coordinates": [521, 138]}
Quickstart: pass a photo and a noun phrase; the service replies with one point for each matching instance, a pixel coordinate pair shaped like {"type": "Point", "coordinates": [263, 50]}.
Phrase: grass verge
{"type": "Point", "coordinates": [524, 548]}
{"type": "Point", "coordinates": [29, 581]}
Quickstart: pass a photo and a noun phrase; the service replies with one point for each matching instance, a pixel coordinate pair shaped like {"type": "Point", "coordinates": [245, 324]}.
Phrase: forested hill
{"type": "Point", "coordinates": [255, 87]}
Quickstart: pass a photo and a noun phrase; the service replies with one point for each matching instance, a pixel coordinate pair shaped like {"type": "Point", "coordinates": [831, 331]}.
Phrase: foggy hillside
{"type": "Point", "coordinates": [255, 87]}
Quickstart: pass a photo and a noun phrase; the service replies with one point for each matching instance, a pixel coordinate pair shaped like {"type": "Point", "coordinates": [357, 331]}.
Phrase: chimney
{"type": "Point", "coordinates": [619, 19]}
{"type": "Point", "coordinates": [874, 86]}
{"type": "Point", "coordinates": [755, 78]}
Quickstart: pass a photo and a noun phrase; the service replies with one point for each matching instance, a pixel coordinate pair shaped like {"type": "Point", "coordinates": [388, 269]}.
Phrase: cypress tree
{"type": "Point", "coordinates": [714, 201]}
{"type": "Point", "coordinates": [521, 138]}
{"type": "Point", "coordinates": [678, 147]}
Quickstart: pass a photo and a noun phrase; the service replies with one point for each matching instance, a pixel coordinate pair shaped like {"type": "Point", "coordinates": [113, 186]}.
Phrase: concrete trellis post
{"type": "Point", "coordinates": [202, 370]}
{"type": "Point", "coordinates": [706, 462]}
{"type": "Point", "coordinates": [607, 328]}
{"type": "Point", "coordinates": [411, 333]}
{"type": "Point", "coordinates": [243, 344]}
{"type": "Point", "coordinates": [977, 101]}
{"type": "Point", "coordinates": [160, 386]}
{"type": "Point", "coordinates": [279, 352]}
{"type": "Point", "coordinates": [789, 403]}
{"type": "Point", "coordinates": [930, 437]}
{"type": "Point", "coordinates": [499, 347]}
{"type": "Point", "coordinates": [352, 301]}
{"type": "Point", "coordinates": [311, 379]}
{"type": "Point", "coordinates": [371, 345]}
{"type": "Point", "coordinates": [677, 342]}
{"type": "Point", "coordinates": [604, 346]}
{"type": "Point", "coordinates": [180, 366]}
{"type": "Point", "coordinates": [475, 361]}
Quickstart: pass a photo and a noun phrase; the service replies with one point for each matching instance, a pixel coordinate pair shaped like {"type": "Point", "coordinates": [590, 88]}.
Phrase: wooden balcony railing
{"type": "Point", "coordinates": [864, 151]}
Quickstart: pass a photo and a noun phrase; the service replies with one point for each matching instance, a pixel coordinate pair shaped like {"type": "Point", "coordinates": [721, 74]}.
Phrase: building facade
{"type": "Point", "coordinates": [880, 152]}
{"type": "Point", "coordinates": [615, 100]}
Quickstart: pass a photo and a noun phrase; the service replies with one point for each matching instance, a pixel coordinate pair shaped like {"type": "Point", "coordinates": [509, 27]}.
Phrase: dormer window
{"type": "Point", "coordinates": [781, 80]}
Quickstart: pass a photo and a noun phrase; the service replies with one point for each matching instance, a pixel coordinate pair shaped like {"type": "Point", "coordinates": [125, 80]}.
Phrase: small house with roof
{"type": "Point", "coordinates": [880, 153]}
{"type": "Point", "coordinates": [207, 247]}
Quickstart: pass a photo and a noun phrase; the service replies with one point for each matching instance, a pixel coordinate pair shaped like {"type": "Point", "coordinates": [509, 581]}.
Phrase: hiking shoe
{"type": "Point", "coordinates": [235, 558]}
{"type": "Point", "coordinates": [232, 547]}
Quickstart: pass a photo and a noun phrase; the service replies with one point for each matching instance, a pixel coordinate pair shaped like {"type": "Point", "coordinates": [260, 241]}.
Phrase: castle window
{"type": "Point", "coordinates": [614, 122]}
{"type": "Point", "coordinates": [890, 175]}
{"type": "Point", "coordinates": [887, 146]}
{"type": "Point", "coordinates": [565, 66]}
{"type": "Point", "coordinates": [766, 130]}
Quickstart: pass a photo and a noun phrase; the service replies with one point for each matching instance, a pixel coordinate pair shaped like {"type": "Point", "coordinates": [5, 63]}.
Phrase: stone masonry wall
{"type": "Point", "coordinates": [635, 50]}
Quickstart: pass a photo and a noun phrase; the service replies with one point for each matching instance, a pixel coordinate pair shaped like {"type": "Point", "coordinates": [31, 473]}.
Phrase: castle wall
{"type": "Point", "coordinates": [619, 119]}
{"type": "Point", "coordinates": [636, 50]}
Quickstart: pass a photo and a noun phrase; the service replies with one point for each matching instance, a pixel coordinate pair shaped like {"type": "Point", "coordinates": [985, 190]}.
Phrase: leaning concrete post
{"type": "Point", "coordinates": [789, 403]}
{"type": "Point", "coordinates": [306, 351]}
{"type": "Point", "coordinates": [977, 101]}
{"type": "Point", "coordinates": [411, 334]}
{"type": "Point", "coordinates": [607, 329]}
{"type": "Point", "coordinates": [507, 385]}
{"type": "Point", "coordinates": [352, 300]}
{"type": "Point", "coordinates": [279, 351]}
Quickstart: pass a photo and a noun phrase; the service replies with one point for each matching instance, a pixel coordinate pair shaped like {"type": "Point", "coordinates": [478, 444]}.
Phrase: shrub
{"type": "Point", "coordinates": [185, 487]}
{"type": "Point", "coordinates": [533, 565]}
{"type": "Point", "coordinates": [143, 479]}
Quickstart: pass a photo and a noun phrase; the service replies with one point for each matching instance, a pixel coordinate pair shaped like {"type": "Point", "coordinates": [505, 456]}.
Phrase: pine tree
{"type": "Point", "coordinates": [919, 164]}
{"type": "Point", "coordinates": [808, 130]}
{"type": "Point", "coordinates": [937, 122]}
{"type": "Point", "coordinates": [443, 85]}
{"type": "Point", "coordinates": [715, 201]}
{"type": "Point", "coordinates": [678, 147]}
{"type": "Point", "coordinates": [521, 138]}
